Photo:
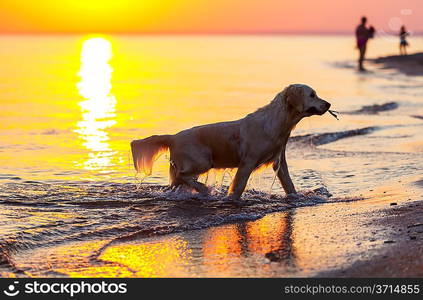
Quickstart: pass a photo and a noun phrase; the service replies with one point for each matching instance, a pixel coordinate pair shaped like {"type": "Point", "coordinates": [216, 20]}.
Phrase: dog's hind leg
{"type": "Point", "coordinates": [186, 166]}
{"type": "Point", "coordinates": [177, 179]}
{"type": "Point", "coordinates": [173, 175]}
{"type": "Point", "coordinates": [198, 186]}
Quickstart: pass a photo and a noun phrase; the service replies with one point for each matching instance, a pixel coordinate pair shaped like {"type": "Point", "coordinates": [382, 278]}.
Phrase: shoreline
{"type": "Point", "coordinates": [411, 64]}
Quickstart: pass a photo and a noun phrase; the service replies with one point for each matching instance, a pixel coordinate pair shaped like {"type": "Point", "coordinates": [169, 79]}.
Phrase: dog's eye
{"type": "Point", "coordinates": [313, 95]}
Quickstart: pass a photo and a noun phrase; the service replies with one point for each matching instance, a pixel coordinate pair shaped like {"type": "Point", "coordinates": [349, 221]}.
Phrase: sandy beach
{"type": "Point", "coordinates": [403, 258]}
{"type": "Point", "coordinates": [411, 64]}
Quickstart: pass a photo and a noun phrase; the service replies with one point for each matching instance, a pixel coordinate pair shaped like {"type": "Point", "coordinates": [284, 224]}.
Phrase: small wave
{"type": "Point", "coordinates": [9, 177]}
{"type": "Point", "coordinates": [419, 183]}
{"type": "Point", "coordinates": [325, 138]}
{"type": "Point", "coordinates": [374, 109]}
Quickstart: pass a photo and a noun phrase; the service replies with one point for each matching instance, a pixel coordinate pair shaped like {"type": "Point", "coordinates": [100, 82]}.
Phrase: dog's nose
{"type": "Point", "coordinates": [327, 105]}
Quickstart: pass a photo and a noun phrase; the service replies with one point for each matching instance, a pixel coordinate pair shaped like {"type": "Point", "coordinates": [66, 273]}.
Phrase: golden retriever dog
{"type": "Point", "coordinates": [258, 139]}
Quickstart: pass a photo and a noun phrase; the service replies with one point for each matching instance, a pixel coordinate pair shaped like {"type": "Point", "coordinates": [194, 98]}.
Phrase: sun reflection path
{"type": "Point", "coordinates": [98, 106]}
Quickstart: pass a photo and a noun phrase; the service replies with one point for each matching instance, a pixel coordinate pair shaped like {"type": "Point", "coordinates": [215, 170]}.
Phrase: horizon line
{"type": "Point", "coordinates": [192, 33]}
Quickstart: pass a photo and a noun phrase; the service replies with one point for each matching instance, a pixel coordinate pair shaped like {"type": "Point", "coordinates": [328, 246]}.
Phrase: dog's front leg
{"type": "Point", "coordinates": [240, 181]}
{"type": "Point", "coordinates": [283, 174]}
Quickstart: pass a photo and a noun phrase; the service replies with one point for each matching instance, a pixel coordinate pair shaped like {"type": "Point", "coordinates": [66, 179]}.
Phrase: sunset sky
{"type": "Point", "coordinates": [205, 16]}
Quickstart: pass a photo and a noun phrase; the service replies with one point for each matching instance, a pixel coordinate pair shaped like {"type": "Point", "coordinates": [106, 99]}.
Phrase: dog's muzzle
{"type": "Point", "coordinates": [318, 110]}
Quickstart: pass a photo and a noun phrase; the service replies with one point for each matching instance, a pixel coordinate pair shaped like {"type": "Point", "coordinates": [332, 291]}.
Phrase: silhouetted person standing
{"type": "Point", "coordinates": [363, 34]}
{"type": "Point", "coordinates": [403, 41]}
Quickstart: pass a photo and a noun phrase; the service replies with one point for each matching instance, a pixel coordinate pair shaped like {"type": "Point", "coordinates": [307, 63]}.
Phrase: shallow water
{"type": "Point", "coordinates": [71, 105]}
{"type": "Point", "coordinates": [176, 236]}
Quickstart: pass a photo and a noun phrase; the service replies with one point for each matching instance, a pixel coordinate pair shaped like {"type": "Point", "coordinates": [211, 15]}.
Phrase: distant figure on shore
{"type": "Point", "coordinates": [363, 34]}
{"type": "Point", "coordinates": [403, 40]}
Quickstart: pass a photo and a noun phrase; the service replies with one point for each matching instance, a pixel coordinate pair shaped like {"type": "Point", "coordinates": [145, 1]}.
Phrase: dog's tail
{"type": "Point", "coordinates": [145, 151]}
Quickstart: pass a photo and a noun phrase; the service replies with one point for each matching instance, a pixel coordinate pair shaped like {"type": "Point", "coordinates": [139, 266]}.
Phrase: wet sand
{"type": "Point", "coordinates": [411, 64]}
{"type": "Point", "coordinates": [404, 258]}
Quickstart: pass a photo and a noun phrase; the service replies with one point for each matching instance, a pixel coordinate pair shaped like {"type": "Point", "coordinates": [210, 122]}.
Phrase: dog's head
{"type": "Point", "coordinates": [304, 100]}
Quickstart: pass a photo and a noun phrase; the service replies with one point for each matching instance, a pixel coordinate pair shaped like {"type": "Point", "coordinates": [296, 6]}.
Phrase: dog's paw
{"type": "Point", "coordinates": [233, 200]}
{"type": "Point", "coordinates": [228, 199]}
{"type": "Point", "coordinates": [293, 196]}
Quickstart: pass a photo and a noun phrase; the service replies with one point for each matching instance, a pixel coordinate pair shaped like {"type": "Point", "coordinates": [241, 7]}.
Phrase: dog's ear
{"type": "Point", "coordinates": [293, 95]}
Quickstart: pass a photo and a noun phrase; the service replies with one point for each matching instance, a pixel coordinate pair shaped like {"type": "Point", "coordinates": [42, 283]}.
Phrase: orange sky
{"type": "Point", "coordinates": [205, 16]}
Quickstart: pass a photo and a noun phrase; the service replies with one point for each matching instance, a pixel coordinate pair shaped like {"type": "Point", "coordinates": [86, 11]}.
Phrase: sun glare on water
{"type": "Point", "coordinates": [98, 106]}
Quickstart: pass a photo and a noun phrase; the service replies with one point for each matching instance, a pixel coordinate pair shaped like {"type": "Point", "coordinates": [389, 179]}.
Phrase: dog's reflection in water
{"type": "Point", "coordinates": [217, 251]}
